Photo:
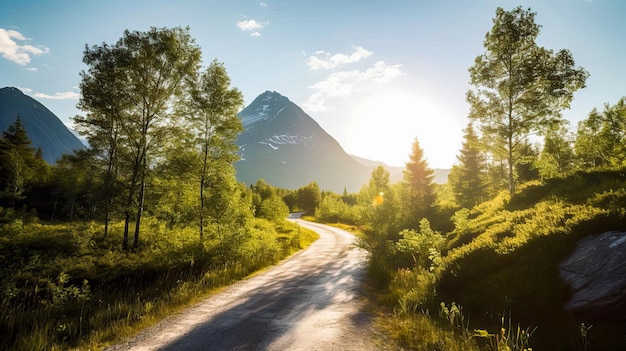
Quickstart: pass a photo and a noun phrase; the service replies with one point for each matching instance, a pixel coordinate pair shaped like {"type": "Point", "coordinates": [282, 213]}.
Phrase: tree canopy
{"type": "Point", "coordinates": [519, 88]}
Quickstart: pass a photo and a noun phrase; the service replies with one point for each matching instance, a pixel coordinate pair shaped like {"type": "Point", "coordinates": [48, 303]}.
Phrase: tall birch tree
{"type": "Point", "coordinates": [519, 88]}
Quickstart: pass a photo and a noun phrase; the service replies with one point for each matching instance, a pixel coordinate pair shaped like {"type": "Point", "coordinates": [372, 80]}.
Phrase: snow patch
{"type": "Point", "coordinates": [287, 139]}
{"type": "Point", "coordinates": [269, 144]}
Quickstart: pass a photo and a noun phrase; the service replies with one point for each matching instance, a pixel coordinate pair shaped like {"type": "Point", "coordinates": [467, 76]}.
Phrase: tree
{"type": "Point", "coordinates": [101, 98]}
{"type": "Point", "coordinates": [214, 120]}
{"type": "Point", "coordinates": [21, 165]}
{"type": "Point", "coordinates": [378, 207]}
{"type": "Point", "coordinates": [467, 179]}
{"type": "Point", "coordinates": [418, 191]}
{"type": "Point", "coordinates": [309, 197]}
{"type": "Point", "coordinates": [557, 156]}
{"type": "Point", "coordinates": [519, 87]}
{"type": "Point", "coordinates": [76, 187]}
{"type": "Point", "coordinates": [600, 137]}
{"type": "Point", "coordinates": [144, 73]}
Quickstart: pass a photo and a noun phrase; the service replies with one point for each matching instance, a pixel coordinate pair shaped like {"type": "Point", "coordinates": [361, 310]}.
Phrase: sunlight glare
{"type": "Point", "coordinates": [384, 125]}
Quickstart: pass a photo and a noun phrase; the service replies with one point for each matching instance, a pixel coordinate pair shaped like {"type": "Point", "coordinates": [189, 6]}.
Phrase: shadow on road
{"type": "Point", "coordinates": [305, 298]}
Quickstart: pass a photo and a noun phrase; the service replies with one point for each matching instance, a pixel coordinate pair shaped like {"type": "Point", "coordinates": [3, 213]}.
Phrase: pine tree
{"type": "Point", "coordinates": [21, 165]}
{"type": "Point", "coordinates": [418, 188]}
{"type": "Point", "coordinates": [467, 180]}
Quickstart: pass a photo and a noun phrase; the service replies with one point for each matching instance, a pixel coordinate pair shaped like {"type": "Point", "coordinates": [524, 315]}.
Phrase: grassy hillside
{"type": "Point", "coordinates": [500, 264]}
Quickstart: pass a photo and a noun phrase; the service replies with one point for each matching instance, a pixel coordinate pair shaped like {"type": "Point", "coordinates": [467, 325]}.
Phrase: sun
{"type": "Point", "coordinates": [384, 125]}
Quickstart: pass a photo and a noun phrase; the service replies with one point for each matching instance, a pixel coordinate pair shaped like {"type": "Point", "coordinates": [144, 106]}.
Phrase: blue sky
{"type": "Point", "coordinates": [374, 74]}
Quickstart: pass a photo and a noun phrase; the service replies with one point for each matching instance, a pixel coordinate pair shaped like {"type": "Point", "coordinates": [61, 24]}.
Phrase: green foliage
{"type": "Point", "coordinates": [21, 167]}
{"type": "Point", "coordinates": [333, 208]}
{"type": "Point", "coordinates": [600, 138]}
{"type": "Point", "coordinates": [128, 93]}
{"type": "Point", "coordinates": [467, 179]}
{"type": "Point", "coordinates": [424, 246]}
{"type": "Point", "coordinates": [308, 198]}
{"type": "Point", "coordinates": [273, 208]}
{"type": "Point", "coordinates": [213, 122]}
{"type": "Point", "coordinates": [62, 287]}
{"type": "Point", "coordinates": [557, 157]}
{"type": "Point", "coordinates": [378, 214]}
{"type": "Point", "coordinates": [418, 190]}
{"type": "Point", "coordinates": [414, 289]}
{"type": "Point", "coordinates": [502, 255]}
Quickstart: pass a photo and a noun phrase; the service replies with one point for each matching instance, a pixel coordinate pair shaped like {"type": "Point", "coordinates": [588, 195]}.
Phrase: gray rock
{"type": "Point", "coordinates": [596, 273]}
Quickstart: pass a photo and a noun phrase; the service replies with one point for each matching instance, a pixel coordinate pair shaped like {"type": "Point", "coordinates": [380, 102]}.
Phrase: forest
{"type": "Point", "coordinates": [150, 217]}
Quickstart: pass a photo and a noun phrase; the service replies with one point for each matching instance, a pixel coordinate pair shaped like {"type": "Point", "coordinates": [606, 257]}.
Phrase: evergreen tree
{"type": "Point", "coordinates": [418, 191]}
{"type": "Point", "coordinates": [467, 178]}
{"type": "Point", "coordinates": [21, 165]}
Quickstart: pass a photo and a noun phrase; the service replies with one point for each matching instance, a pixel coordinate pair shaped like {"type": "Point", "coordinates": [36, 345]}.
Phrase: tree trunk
{"type": "Point", "coordinates": [201, 206]}
{"type": "Point", "coordinates": [126, 225]}
{"type": "Point", "coordinates": [142, 196]}
{"type": "Point", "coordinates": [54, 208]}
{"type": "Point", "coordinates": [510, 147]}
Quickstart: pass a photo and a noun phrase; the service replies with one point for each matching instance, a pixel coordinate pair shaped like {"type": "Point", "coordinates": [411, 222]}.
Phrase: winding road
{"type": "Point", "coordinates": [310, 301]}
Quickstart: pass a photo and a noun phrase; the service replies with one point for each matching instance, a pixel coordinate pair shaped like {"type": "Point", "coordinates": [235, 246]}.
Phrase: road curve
{"type": "Point", "coordinates": [309, 301]}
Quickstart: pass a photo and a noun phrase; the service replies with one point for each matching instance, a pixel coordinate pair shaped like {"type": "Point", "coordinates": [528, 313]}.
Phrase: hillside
{"type": "Point", "coordinates": [509, 255]}
{"type": "Point", "coordinates": [44, 128]}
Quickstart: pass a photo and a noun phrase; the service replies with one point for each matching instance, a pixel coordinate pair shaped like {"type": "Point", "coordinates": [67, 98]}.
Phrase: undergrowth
{"type": "Point", "coordinates": [500, 263]}
{"type": "Point", "coordinates": [62, 286]}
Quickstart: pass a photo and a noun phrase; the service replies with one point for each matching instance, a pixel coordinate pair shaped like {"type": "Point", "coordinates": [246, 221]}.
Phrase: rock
{"type": "Point", "coordinates": [596, 273]}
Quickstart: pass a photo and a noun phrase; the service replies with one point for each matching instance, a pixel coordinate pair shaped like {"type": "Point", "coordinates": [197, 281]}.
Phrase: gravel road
{"type": "Point", "coordinates": [311, 301]}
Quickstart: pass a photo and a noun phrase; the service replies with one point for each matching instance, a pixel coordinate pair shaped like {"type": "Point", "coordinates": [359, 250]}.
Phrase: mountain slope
{"type": "Point", "coordinates": [287, 148]}
{"type": "Point", "coordinates": [44, 128]}
{"type": "Point", "coordinates": [396, 173]}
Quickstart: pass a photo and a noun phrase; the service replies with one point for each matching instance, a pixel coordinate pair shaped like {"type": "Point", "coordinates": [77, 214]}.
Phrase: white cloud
{"type": "Point", "coordinates": [263, 4]}
{"type": "Point", "coordinates": [342, 84]}
{"type": "Point", "coordinates": [26, 90]}
{"type": "Point", "coordinates": [250, 25]}
{"type": "Point", "coordinates": [322, 60]}
{"type": "Point", "coordinates": [255, 34]}
{"type": "Point", "coordinates": [12, 51]}
{"type": "Point", "coordinates": [32, 69]}
{"type": "Point", "coordinates": [69, 95]}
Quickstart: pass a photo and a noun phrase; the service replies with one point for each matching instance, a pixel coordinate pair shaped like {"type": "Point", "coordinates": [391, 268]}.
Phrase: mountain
{"type": "Point", "coordinates": [44, 128]}
{"type": "Point", "coordinates": [396, 173]}
{"type": "Point", "coordinates": [287, 148]}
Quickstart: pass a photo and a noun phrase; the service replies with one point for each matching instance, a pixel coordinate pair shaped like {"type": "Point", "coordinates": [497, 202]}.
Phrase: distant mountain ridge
{"type": "Point", "coordinates": [396, 172]}
{"type": "Point", "coordinates": [287, 148]}
{"type": "Point", "coordinates": [44, 128]}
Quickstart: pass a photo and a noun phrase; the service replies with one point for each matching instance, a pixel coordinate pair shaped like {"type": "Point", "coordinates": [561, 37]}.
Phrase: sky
{"type": "Point", "coordinates": [375, 75]}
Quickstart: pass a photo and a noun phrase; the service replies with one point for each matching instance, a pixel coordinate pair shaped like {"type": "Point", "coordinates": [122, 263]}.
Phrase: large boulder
{"type": "Point", "coordinates": [596, 273]}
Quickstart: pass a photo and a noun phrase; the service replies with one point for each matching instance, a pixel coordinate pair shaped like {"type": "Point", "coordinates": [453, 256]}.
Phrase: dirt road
{"type": "Point", "coordinates": [308, 302]}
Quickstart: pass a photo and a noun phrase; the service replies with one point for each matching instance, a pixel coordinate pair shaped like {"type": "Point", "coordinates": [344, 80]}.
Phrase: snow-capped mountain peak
{"type": "Point", "coordinates": [287, 148]}
{"type": "Point", "coordinates": [265, 106]}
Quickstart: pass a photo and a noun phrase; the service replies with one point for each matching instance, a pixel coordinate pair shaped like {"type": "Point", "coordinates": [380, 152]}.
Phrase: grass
{"type": "Point", "coordinates": [503, 255]}
{"type": "Point", "coordinates": [64, 288]}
